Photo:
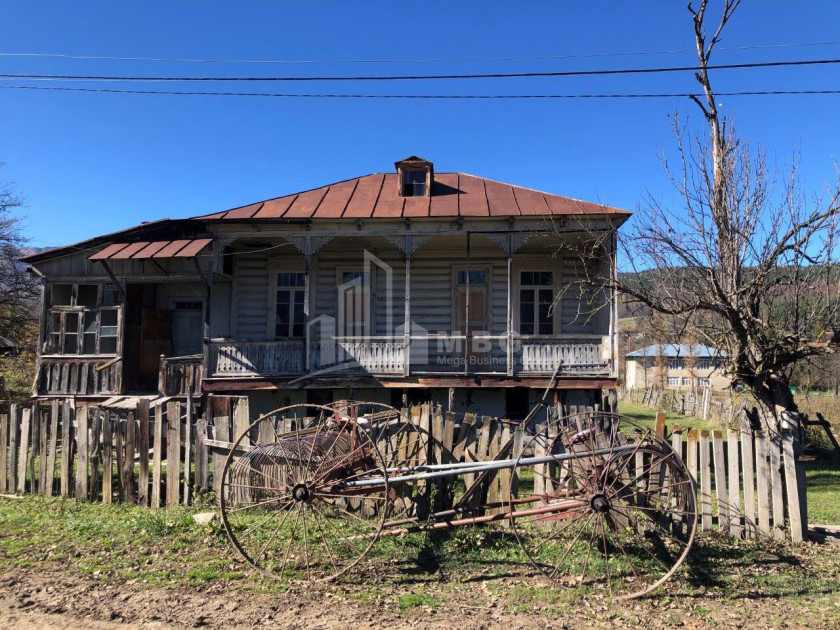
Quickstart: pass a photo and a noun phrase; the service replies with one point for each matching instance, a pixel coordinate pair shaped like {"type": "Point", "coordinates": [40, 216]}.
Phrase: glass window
{"type": "Point", "coordinates": [475, 276]}
{"type": "Point", "coordinates": [704, 364]}
{"type": "Point", "coordinates": [414, 183]}
{"type": "Point", "coordinates": [290, 306]}
{"type": "Point", "coordinates": [88, 295]}
{"type": "Point", "coordinates": [674, 381]}
{"type": "Point", "coordinates": [62, 294]}
{"type": "Point", "coordinates": [357, 277]}
{"type": "Point", "coordinates": [676, 364]}
{"type": "Point", "coordinates": [83, 319]}
{"type": "Point", "coordinates": [535, 303]}
{"type": "Point", "coordinates": [686, 381]}
{"type": "Point", "coordinates": [703, 381]}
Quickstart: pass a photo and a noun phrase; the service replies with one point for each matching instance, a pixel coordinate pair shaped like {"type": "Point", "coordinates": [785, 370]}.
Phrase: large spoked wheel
{"type": "Point", "coordinates": [303, 495]}
{"type": "Point", "coordinates": [616, 511]}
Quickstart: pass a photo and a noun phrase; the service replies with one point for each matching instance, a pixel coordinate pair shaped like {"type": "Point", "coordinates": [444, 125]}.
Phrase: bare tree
{"type": "Point", "coordinates": [18, 294]}
{"type": "Point", "coordinates": [747, 264]}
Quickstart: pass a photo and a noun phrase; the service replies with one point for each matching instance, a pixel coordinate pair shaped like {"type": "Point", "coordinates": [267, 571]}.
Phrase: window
{"type": "Point", "coordinates": [704, 364]}
{"type": "Point", "coordinates": [704, 382]}
{"type": "Point", "coordinates": [290, 305]}
{"type": "Point", "coordinates": [674, 381]}
{"type": "Point", "coordinates": [414, 183]}
{"type": "Point", "coordinates": [686, 382]}
{"type": "Point", "coordinates": [676, 364]}
{"type": "Point", "coordinates": [471, 302]}
{"type": "Point", "coordinates": [536, 295]}
{"type": "Point", "coordinates": [82, 319]}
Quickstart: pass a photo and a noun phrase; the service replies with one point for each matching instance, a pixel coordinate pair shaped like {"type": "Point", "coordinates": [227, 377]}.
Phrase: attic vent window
{"type": "Point", "coordinates": [415, 176]}
{"type": "Point", "coordinates": [414, 184]}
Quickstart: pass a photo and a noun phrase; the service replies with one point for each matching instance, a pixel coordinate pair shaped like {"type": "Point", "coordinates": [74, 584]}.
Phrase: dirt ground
{"type": "Point", "coordinates": [59, 600]}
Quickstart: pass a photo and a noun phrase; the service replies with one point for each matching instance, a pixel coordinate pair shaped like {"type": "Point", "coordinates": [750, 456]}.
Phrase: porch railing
{"type": "Point", "coordinates": [79, 376]}
{"type": "Point", "coordinates": [177, 374]}
{"type": "Point", "coordinates": [275, 357]}
{"type": "Point", "coordinates": [387, 356]}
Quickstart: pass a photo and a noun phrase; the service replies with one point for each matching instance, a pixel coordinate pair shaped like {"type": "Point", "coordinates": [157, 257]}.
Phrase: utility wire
{"type": "Point", "coordinates": [426, 60]}
{"type": "Point", "coordinates": [413, 96]}
{"type": "Point", "coordinates": [415, 77]}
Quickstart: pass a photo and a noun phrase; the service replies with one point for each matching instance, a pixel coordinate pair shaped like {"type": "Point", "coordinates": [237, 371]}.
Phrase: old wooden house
{"type": "Point", "coordinates": [402, 285]}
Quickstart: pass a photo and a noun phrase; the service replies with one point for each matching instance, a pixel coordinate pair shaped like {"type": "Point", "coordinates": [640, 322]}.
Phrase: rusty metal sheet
{"type": "Point", "coordinates": [245, 212]}
{"type": "Point", "coordinates": [500, 199]}
{"type": "Point", "coordinates": [275, 208]}
{"type": "Point", "coordinates": [173, 248]}
{"type": "Point", "coordinates": [150, 250]}
{"type": "Point", "coordinates": [306, 204]}
{"type": "Point", "coordinates": [336, 200]}
{"type": "Point", "coordinates": [416, 207]}
{"type": "Point", "coordinates": [364, 198]}
{"type": "Point", "coordinates": [445, 194]}
{"type": "Point", "coordinates": [128, 252]}
{"type": "Point", "coordinates": [472, 202]}
{"type": "Point", "coordinates": [390, 204]}
{"type": "Point", "coordinates": [530, 202]}
{"type": "Point", "coordinates": [194, 247]}
{"type": "Point", "coordinates": [109, 251]}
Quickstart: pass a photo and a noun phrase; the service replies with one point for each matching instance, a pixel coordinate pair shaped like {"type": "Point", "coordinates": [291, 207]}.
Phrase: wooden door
{"type": "Point", "coordinates": [472, 313]}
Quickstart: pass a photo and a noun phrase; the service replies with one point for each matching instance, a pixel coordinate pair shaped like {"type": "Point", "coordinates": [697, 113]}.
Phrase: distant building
{"type": "Point", "coordinates": [676, 366]}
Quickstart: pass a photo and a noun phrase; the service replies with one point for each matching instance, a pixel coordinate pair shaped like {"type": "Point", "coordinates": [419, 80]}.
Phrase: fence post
{"type": "Point", "coordinates": [797, 527]}
{"type": "Point", "coordinates": [157, 455]}
{"type": "Point", "coordinates": [107, 457]}
{"type": "Point", "coordinates": [705, 481]}
{"type": "Point", "coordinates": [173, 452]}
{"type": "Point", "coordinates": [4, 463]}
{"type": "Point", "coordinates": [83, 452]}
{"type": "Point", "coordinates": [14, 427]}
{"type": "Point", "coordinates": [748, 475]}
{"type": "Point", "coordinates": [67, 416]}
{"type": "Point", "coordinates": [143, 451]}
{"type": "Point", "coordinates": [775, 447]}
{"type": "Point", "coordinates": [734, 485]}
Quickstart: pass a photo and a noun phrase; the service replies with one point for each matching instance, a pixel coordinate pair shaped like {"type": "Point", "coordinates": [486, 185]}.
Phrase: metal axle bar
{"type": "Point", "coordinates": [436, 471]}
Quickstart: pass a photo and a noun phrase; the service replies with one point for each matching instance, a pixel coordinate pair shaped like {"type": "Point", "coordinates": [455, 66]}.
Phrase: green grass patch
{"type": "Point", "coordinates": [823, 491]}
{"type": "Point", "coordinates": [647, 416]}
{"type": "Point", "coordinates": [416, 600]}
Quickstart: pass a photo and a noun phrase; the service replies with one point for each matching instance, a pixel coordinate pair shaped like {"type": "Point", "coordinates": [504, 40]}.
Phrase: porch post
{"type": "Point", "coordinates": [509, 304]}
{"type": "Point", "coordinates": [307, 296]}
{"type": "Point", "coordinates": [407, 319]}
{"type": "Point", "coordinates": [208, 282]}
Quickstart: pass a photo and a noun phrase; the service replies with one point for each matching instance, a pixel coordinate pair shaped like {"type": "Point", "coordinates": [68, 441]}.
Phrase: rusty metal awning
{"type": "Point", "coordinates": [155, 250]}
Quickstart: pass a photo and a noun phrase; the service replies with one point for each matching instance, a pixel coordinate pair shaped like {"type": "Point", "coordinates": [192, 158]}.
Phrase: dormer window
{"type": "Point", "coordinates": [414, 184]}
{"type": "Point", "coordinates": [415, 177]}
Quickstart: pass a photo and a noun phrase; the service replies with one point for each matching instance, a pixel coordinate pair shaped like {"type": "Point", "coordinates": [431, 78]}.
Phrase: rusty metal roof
{"type": "Point", "coordinates": [144, 250]}
{"type": "Point", "coordinates": [377, 196]}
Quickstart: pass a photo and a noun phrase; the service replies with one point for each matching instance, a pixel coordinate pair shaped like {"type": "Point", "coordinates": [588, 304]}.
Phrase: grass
{"type": "Point", "coordinates": [823, 491]}
{"type": "Point", "coordinates": [647, 416]}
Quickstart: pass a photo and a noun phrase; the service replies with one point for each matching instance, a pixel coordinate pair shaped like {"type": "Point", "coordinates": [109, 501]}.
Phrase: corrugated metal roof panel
{"type": "Point", "coordinates": [109, 251]}
{"type": "Point", "coordinates": [128, 252]}
{"type": "Point", "coordinates": [453, 195]}
{"type": "Point", "coordinates": [194, 247]}
{"type": "Point", "coordinates": [170, 250]}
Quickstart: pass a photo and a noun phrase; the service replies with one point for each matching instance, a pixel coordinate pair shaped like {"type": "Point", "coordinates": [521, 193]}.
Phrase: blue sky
{"type": "Point", "coordinates": [88, 164]}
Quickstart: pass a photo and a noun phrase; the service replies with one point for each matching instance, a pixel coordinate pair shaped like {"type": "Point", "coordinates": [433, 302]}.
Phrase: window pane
{"type": "Point", "coordinates": [109, 318]}
{"type": "Point", "coordinates": [90, 322]}
{"type": "Point", "coordinates": [526, 278]}
{"type": "Point", "coordinates": [526, 317]}
{"type": "Point", "coordinates": [71, 322]}
{"type": "Point", "coordinates": [88, 295]}
{"type": "Point", "coordinates": [107, 345]}
{"type": "Point", "coordinates": [476, 276]}
{"type": "Point", "coordinates": [89, 344]}
{"type": "Point", "coordinates": [357, 277]}
{"type": "Point", "coordinates": [110, 296]}
{"type": "Point", "coordinates": [55, 320]}
{"type": "Point", "coordinates": [62, 294]}
{"type": "Point", "coordinates": [299, 315]}
{"type": "Point", "coordinates": [70, 346]}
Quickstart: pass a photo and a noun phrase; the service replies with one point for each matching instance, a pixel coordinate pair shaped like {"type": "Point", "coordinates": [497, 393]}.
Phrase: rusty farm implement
{"type": "Point", "coordinates": [593, 499]}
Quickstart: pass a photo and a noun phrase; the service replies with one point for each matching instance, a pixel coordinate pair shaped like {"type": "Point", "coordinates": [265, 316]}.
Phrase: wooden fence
{"type": "Point", "coordinates": [703, 403]}
{"type": "Point", "coordinates": [749, 484]}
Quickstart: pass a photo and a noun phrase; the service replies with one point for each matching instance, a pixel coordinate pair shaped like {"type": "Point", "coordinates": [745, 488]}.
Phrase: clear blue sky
{"type": "Point", "coordinates": [88, 164]}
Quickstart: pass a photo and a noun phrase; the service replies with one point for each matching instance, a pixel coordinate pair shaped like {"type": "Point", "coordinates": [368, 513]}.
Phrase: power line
{"type": "Point", "coordinates": [414, 96]}
{"type": "Point", "coordinates": [398, 61]}
{"type": "Point", "coordinates": [415, 77]}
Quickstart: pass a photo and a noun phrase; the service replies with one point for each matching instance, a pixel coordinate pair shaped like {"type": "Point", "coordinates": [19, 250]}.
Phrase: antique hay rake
{"type": "Point", "coordinates": [593, 499]}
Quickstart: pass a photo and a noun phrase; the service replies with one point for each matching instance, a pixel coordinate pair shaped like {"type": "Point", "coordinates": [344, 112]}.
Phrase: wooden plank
{"type": "Point", "coordinates": [52, 451]}
{"type": "Point", "coordinates": [221, 433]}
{"type": "Point", "coordinates": [129, 448]}
{"type": "Point", "coordinates": [733, 478]}
{"type": "Point", "coordinates": [721, 488]}
{"type": "Point", "coordinates": [68, 414]}
{"type": "Point", "coordinates": [691, 456]}
{"type": "Point", "coordinates": [705, 482]}
{"type": "Point", "coordinates": [173, 453]}
{"type": "Point", "coordinates": [466, 429]}
{"type": "Point", "coordinates": [518, 445]}
{"type": "Point", "coordinates": [202, 476]}
{"type": "Point", "coordinates": [538, 443]}
{"type": "Point", "coordinates": [188, 439]}
{"type": "Point", "coordinates": [34, 451]}
{"type": "Point", "coordinates": [774, 446]}
{"type": "Point", "coordinates": [157, 455]}
{"type": "Point", "coordinates": [4, 453]}
{"type": "Point", "coordinates": [43, 445]}
{"type": "Point", "coordinates": [94, 431]}
{"type": "Point", "coordinates": [241, 420]}
{"type": "Point", "coordinates": [23, 454]}
{"type": "Point", "coordinates": [143, 451]}
{"type": "Point", "coordinates": [82, 451]}
{"type": "Point", "coordinates": [436, 424]}
{"type": "Point", "coordinates": [14, 433]}
{"type": "Point", "coordinates": [797, 527]}
{"type": "Point", "coordinates": [107, 457]}
{"type": "Point", "coordinates": [659, 427]}
{"type": "Point", "coordinates": [503, 477]}
{"type": "Point", "coordinates": [748, 481]}
{"type": "Point", "coordinates": [762, 483]}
